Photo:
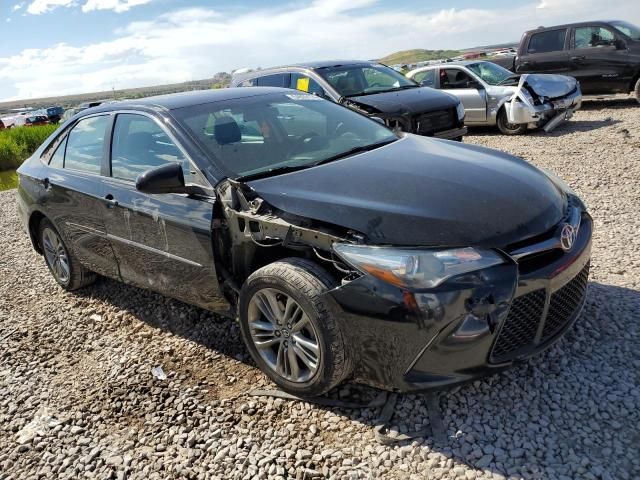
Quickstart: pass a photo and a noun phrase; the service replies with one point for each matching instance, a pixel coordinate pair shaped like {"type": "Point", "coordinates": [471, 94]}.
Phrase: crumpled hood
{"type": "Point", "coordinates": [423, 192]}
{"type": "Point", "coordinates": [549, 85]}
{"type": "Point", "coordinates": [410, 101]}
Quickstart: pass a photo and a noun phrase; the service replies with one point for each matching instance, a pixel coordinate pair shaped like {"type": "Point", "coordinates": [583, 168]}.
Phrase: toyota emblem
{"type": "Point", "coordinates": [567, 237]}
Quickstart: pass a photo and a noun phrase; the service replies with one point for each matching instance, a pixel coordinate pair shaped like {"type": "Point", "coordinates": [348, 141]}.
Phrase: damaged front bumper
{"type": "Point", "coordinates": [413, 341]}
{"type": "Point", "coordinates": [531, 107]}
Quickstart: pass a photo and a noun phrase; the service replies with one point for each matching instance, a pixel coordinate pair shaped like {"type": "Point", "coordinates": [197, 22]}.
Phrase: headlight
{"type": "Point", "coordinates": [412, 268]}
{"type": "Point", "coordinates": [561, 184]}
{"type": "Point", "coordinates": [460, 111]}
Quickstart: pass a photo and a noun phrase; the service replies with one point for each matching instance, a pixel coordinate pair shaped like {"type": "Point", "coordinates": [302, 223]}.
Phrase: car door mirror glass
{"type": "Point", "coordinates": [620, 44]}
{"type": "Point", "coordinates": [167, 178]}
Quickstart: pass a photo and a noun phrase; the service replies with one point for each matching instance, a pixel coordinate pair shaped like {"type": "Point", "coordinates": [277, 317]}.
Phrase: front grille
{"type": "Point", "coordinates": [564, 303]}
{"type": "Point", "coordinates": [429, 123]}
{"type": "Point", "coordinates": [520, 328]}
{"type": "Point", "coordinates": [519, 332]}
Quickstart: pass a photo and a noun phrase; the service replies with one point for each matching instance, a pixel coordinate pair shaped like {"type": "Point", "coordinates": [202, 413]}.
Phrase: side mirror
{"type": "Point", "coordinates": [474, 84]}
{"type": "Point", "coordinates": [619, 44]}
{"type": "Point", "coordinates": [426, 83]}
{"type": "Point", "coordinates": [378, 119]}
{"type": "Point", "coordinates": [167, 178]}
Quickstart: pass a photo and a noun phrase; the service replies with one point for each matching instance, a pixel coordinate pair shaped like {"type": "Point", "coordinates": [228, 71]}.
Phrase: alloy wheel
{"type": "Point", "coordinates": [284, 335]}
{"type": "Point", "coordinates": [56, 255]}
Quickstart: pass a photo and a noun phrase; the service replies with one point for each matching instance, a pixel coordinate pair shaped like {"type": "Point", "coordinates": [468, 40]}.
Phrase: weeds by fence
{"type": "Point", "coordinates": [17, 144]}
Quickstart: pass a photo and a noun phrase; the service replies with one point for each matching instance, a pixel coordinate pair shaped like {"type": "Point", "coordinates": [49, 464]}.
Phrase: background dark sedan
{"type": "Point", "coordinates": [346, 250]}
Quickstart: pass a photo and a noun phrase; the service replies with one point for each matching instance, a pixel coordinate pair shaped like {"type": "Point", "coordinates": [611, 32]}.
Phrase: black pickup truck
{"type": "Point", "coordinates": [603, 55]}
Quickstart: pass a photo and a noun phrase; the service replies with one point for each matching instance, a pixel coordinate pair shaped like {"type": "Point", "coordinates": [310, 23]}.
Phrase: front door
{"type": "Point", "coordinates": [74, 194]}
{"type": "Point", "coordinates": [470, 92]}
{"type": "Point", "coordinates": [162, 242]}
{"type": "Point", "coordinates": [598, 62]}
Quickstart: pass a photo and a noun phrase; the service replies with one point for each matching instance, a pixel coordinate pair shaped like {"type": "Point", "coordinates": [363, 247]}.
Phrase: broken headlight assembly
{"type": "Point", "coordinates": [414, 268]}
{"type": "Point", "coordinates": [460, 111]}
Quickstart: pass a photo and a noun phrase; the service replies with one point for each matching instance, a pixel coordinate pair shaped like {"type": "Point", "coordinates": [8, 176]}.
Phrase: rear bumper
{"type": "Point", "coordinates": [463, 329]}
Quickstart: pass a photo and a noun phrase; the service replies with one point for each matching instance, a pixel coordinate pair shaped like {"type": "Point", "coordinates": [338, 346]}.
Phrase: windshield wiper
{"type": "Point", "coordinates": [394, 89]}
{"type": "Point", "coordinates": [353, 151]}
{"type": "Point", "coordinates": [272, 171]}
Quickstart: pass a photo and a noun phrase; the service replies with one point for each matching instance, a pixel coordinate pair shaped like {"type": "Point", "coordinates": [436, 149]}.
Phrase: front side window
{"type": "Point", "coordinates": [306, 84]}
{"type": "Point", "coordinates": [454, 78]}
{"type": "Point", "coordinates": [85, 145]}
{"type": "Point", "coordinates": [274, 132]}
{"type": "Point", "coordinates": [355, 80]}
{"type": "Point", "coordinates": [139, 144]}
{"type": "Point", "coordinates": [490, 72]}
{"type": "Point", "coordinates": [594, 37]}
{"type": "Point", "coordinates": [549, 41]}
{"type": "Point", "coordinates": [427, 78]}
{"type": "Point", "coordinates": [629, 29]}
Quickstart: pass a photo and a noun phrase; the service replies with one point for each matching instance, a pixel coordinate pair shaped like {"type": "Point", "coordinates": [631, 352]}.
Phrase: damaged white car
{"type": "Point", "coordinates": [492, 95]}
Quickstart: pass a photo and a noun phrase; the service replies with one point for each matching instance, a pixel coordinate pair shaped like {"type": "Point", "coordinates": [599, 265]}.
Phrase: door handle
{"type": "Point", "coordinates": [46, 184]}
{"type": "Point", "coordinates": [578, 58]}
{"type": "Point", "coordinates": [110, 201]}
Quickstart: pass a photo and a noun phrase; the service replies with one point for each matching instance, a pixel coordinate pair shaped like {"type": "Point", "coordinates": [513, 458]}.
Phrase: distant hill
{"type": "Point", "coordinates": [417, 55]}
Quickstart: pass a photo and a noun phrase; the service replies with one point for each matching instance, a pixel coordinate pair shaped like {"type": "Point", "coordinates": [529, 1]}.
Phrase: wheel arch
{"type": "Point", "coordinates": [34, 223]}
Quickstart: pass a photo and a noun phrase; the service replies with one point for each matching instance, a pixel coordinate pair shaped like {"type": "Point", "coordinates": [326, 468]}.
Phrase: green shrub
{"type": "Point", "coordinates": [17, 144]}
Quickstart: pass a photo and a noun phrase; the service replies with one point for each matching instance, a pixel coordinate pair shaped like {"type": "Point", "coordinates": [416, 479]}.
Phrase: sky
{"type": "Point", "coordinates": [61, 47]}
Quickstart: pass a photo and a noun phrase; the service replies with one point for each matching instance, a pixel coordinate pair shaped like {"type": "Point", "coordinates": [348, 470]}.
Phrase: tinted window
{"type": "Point", "coordinates": [305, 84]}
{"type": "Point", "coordinates": [551, 41]}
{"type": "Point", "coordinates": [139, 144]}
{"type": "Point", "coordinates": [453, 78]}
{"type": "Point", "coordinates": [57, 159]}
{"type": "Point", "coordinates": [628, 29]}
{"type": "Point", "coordinates": [277, 80]}
{"type": "Point", "coordinates": [593, 37]}
{"type": "Point", "coordinates": [85, 145]}
{"type": "Point", "coordinates": [257, 134]}
{"type": "Point", "coordinates": [426, 78]}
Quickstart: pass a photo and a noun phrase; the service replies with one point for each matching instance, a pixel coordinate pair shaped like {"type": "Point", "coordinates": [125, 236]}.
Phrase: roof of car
{"type": "Point", "coordinates": [188, 99]}
{"type": "Point", "coordinates": [568, 25]}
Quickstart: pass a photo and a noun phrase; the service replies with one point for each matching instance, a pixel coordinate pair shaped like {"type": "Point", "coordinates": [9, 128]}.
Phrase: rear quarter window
{"type": "Point", "coordinates": [549, 41]}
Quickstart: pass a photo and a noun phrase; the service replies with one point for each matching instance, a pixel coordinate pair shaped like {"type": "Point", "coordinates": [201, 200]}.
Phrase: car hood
{"type": "Point", "coordinates": [543, 84]}
{"type": "Point", "coordinates": [423, 192]}
{"type": "Point", "coordinates": [406, 102]}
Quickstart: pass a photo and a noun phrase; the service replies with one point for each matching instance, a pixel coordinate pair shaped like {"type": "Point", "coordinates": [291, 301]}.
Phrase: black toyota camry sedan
{"type": "Point", "coordinates": [346, 250]}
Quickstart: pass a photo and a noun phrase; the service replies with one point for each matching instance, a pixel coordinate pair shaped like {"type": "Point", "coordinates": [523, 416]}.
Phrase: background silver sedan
{"type": "Point", "coordinates": [492, 95]}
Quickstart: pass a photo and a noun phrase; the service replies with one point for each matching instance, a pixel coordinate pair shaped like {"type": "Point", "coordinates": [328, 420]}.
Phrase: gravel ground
{"type": "Point", "coordinates": [78, 398]}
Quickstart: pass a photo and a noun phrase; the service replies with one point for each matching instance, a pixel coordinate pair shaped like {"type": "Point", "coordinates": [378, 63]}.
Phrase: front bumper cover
{"type": "Point", "coordinates": [405, 341]}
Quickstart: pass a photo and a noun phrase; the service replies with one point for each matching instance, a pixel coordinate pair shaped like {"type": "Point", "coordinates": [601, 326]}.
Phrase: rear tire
{"type": "Point", "coordinates": [291, 329]}
{"type": "Point", "coordinates": [507, 128]}
{"type": "Point", "coordinates": [62, 263]}
{"type": "Point", "coordinates": [636, 90]}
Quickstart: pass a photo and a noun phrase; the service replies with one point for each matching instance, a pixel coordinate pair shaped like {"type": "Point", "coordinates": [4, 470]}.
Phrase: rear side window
{"type": "Point", "coordinates": [550, 41]}
{"type": "Point", "coordinates": [426, 78]}
{"type": "Point", "coordinates": [139, 144]}
{"type": "Point", "coordinates": [453, 78]}
{"type": "Point", "coordinates": [85, 145]}
{"type": "Point", "coordinates": [594, 37]}
{"type": "Point", "coordinates": [277, 80]}
{"type": "Point", "coordinates": [57, 159]}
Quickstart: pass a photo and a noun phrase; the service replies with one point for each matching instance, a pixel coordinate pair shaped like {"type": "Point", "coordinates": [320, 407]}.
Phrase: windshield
{"type": "Point", "coordinates": [628, 29]}
{"type": "Point", "coordinates": [354, 80]}
{"type": "Point", "coordinates": [490, 72]}
{"type": "Point", "coordinates": [279, 131]}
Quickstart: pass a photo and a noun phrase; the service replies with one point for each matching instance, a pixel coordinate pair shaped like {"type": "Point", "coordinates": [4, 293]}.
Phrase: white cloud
{"type": "Point", "coordinates": [117, 6]}
{"type": "Point", "coordinates": [17, 7]}
{"type": "Point", "coordinates": [38, 7]}
{"type": "Point", "coordinates": [195, 43]}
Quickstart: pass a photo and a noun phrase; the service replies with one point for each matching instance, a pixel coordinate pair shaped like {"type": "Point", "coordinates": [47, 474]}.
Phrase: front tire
{"type": "Point", "coordinates": [636, 90]}
{"type": "Point", "coordinates": [291, 329]}
{"type": "Point", "coordinates": [62, 263]}
{"type": "Point", "coordinates": [507, 128]}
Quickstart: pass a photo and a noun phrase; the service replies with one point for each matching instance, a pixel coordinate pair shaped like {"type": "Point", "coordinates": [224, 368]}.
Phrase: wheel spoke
{"type": "Point", "coordinates": [280, 360]}
{"type": "Point", "coordinates": [300, 324]}
{"type": "Point", "coordinates": [265, 307]}
{"type": "Point", "coordinates": [307, 344]}
{"type": "Point", "coordinates": [293, 363]}
{"type": "Point", "coordinates": [267, 343]}
{"type": "Point", "coordinates": [310, 361]}
{"type": "Point", "coordinates": [273, 303]}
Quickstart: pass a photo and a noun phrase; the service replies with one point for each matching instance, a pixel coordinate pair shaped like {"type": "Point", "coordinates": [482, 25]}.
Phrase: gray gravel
{"type": "Point", "coordinates": [78, 398]}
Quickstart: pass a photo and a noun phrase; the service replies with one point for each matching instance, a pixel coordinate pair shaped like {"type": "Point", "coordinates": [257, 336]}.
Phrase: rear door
{"type": "Point", "coordinates": [599, 60]}
{"type": "Point", "coordinates": [545, 52]}
{"type": "Point", "coordinates": [74, 192]}
{"type": "Point", "coordinates": [456, 81]}
{"type": "Point", "coordinates": [161, 241]}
